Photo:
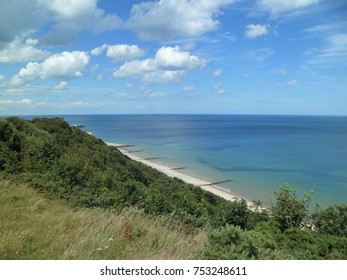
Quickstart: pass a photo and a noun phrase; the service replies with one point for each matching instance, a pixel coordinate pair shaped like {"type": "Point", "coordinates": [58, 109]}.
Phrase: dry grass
{"type": "Point", "coordinates": [34, 227]}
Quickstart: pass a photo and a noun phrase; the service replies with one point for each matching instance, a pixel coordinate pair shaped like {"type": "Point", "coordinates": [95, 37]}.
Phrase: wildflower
{"type": "Point", "coordinates": [127, 231]}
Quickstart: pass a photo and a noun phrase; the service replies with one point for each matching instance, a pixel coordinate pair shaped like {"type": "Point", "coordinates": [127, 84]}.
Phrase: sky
{"type": "Point", "coordinates": [173, 56]}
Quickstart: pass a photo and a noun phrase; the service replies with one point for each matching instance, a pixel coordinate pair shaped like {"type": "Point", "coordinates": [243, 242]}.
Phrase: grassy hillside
{"type": "Point", "coordinates": [34, 227]}
{"type": "Point", "coordinates": [89, 201]}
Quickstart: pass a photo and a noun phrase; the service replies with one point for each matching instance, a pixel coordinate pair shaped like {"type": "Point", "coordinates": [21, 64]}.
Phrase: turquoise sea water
{"type": "Point", "coordinates": [258, 153]}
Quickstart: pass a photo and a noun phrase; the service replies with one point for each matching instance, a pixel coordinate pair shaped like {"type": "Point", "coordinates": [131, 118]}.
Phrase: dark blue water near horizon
{"type": "Point", "coordinates": [258, 153]}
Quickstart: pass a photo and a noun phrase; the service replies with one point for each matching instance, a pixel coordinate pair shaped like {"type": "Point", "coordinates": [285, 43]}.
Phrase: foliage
{"type": "Point", "coordinates": [288, 210]}
{"type": "Point", "coordinates": [266, 241]}
{"type": "Point", "coordinates": [332, 220]}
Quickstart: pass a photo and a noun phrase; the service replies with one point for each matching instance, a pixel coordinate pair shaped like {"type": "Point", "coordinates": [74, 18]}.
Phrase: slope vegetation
{"type": "Point", "coordinates": [87, 201]}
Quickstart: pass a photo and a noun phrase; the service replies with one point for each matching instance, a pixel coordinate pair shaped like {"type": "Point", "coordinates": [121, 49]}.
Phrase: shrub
{"type": "Point", "coordinates": [290, 211]}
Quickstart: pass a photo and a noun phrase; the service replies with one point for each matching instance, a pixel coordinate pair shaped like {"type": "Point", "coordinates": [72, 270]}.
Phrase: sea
{"type": "Point", "coordinates": [257, 153]}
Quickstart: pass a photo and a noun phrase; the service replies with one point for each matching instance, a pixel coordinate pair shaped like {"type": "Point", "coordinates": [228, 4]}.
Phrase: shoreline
{"type": "Point", "coordinates": [171, 172]}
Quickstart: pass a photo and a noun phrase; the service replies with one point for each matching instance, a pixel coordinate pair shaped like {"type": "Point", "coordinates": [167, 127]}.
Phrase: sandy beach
{"type": "Point", "coordinates": [171, 172]}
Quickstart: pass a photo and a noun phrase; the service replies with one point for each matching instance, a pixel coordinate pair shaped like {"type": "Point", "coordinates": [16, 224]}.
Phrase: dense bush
{"type": "Point", "coordinates": [266, 241]}
{"type": "Point", "coordinates": [290, 211]}
{"type": "Point", "coordinates": [332, 220]}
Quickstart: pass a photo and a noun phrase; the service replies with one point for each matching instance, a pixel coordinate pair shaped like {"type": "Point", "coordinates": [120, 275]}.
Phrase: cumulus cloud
{"type": "Point", "coordinates": [102, 22]}
{"type": "Point", "coordinates": [99, 50]}
{"type": "Point", "coordinates": [124, 52]}
{"type": "Point", "coordinates": [119, 52]}
{"type": "Point", "coordinates": [167, 19]}
{"type": "Point", "coordinates": [16, 51]}
{"type": "Point", "coordinates": [72, 16]}
{"type": "Point", "coordinates": [256, 30]}
{"type": "Point", "coordinates": [62, 66]}
{"type": "Point", "coordinates": [283, 6]}
{"type": "Point", "coordinates": [62, 18]}
{"type": "Point", "coordinates": [17, 22]}
{"type": "Point", "coordinates": [169, 64]}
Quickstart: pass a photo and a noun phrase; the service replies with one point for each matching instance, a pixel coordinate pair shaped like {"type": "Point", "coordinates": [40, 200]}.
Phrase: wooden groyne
{"type": "Point", "coordinates": [215, 183]}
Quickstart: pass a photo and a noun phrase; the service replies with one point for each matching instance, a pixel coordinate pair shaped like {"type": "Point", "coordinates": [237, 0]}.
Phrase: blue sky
{"type": "Point", "coordinates": [173, 56]}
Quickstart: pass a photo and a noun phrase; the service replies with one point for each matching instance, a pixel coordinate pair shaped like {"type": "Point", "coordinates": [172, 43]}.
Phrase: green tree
{"type": "Point", "coordinates": [332, 220]}
{"type": "Point", "coordinates": [289, 211]}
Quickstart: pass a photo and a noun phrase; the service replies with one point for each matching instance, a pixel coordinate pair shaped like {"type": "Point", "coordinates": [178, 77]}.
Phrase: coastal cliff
{"type": "Point", "coordinates": [67, 164]}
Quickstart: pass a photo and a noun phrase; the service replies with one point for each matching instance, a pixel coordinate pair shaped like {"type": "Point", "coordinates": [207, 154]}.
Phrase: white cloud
{"type": "Point", "coordinates": [220, 91]}
{"type": "Point", "coordinates": [291, 83]}
{"type": "Point", "coordinates": [333, 47]}
{"type": "Point", "coordinates": [81, 104]}
{"type": "Point", "coordinates": [256, 30]}
{"type": "Point", "coordinates": [62, 86]}
{"type": "Point", "coordinates": [130, 86]}
{"type": "Point", "coordinates": [72, 16]}
{"type": "Point", "coordinates": [217, 73]}
{"type": "Point", "coordinates": [162, 76]}
{"type": "Point", "coordinates": [150, 93]}
{"type": "Point", "coordinates": [124, 96]}
{"type": "Point", "coordinates": [102, 22]}
{"type": "Point", "coordinates": [19, 18]}
{"type": "Point", "coordinates": [334, 51]}
{"type": "Point", "coordinates": [62, 18]}
{"type": "Point", "coordinates": [31, 42]}
{"type": "Point", "coordinates": [124, 52]}
{"type": "Point", "coordinates": [16, 51]}
{"type": "Point", "coordinates": [24, 101]}
{"type": "Point", "coordinates": [62, 66]}
{"type": "Point", "coordinates": [283, 6]}
{"type": "Point", "coordinates": [100, 77]}
{"type": "Point", "coordinates": [169, 64]}
{"type": "Point", "coordinates": [259, 55]}
{"type": "Point", "coordinates": [282, 71]}
{"type": "Point", "coordinates": [188, 88]}
{"type": "Point", "coordinates": [167, 19]}
{"type": "Point", "coordinates": [337, 44]}
{"type": "Point", "coordinates": [121, 52]}
{"type": "Point", "coordinates": [326, 28]}
{"type": "Point", "coordinates": [99, 50]}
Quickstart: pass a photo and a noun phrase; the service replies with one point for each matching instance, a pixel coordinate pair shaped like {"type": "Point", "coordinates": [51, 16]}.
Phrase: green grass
{"type": "Point", "coordinates": [35, 227]}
